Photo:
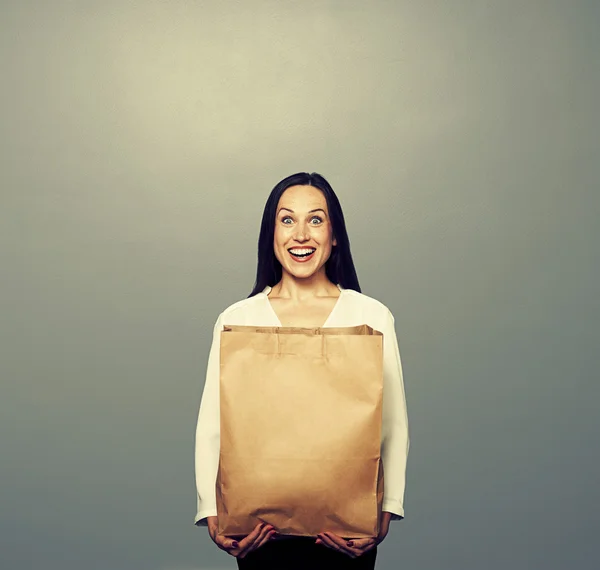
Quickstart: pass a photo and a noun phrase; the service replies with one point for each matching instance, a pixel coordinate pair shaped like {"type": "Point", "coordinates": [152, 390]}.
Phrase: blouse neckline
{"type": "Point", "coordinates": [267, 289]}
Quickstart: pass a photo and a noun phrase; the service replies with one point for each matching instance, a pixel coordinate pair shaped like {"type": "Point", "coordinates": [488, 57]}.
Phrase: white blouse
{"type": "Point", "coordinates": [351, 309]}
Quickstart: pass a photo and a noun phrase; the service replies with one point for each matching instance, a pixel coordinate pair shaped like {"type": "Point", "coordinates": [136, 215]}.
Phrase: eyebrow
{"type": "Point", "coordinates": [310, 211]}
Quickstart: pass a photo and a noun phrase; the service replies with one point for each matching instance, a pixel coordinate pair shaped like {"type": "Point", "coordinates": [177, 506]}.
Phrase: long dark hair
{"type": "Point", "coordinates": [339, 268]}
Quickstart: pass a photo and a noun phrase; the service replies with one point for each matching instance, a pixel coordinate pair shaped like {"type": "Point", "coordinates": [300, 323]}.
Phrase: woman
{"type": "Point", "coordinates": [305, 278]}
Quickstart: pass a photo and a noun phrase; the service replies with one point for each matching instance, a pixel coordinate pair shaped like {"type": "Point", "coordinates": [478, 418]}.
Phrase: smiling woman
{"type": "Point", "coordinates": [303, 211]}
{"type": "Point", "coordinates": [296, 233]}
{"type": "Point", "coordinates": [305, 278]}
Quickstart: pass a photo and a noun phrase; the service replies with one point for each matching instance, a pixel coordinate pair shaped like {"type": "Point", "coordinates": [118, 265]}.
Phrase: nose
{"type": "Point", "coordinates": [302, 233]}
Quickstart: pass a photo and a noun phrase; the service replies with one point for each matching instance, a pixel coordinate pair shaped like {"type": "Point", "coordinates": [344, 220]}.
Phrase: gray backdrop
{"type": "Point", "coordinates": [139, 141]}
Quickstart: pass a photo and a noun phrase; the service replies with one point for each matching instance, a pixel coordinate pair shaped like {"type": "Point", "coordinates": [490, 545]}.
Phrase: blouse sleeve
{"type": "Point", "coordinates": [394, 437]}
{"type": "Point", "coordinates": [208, 434]}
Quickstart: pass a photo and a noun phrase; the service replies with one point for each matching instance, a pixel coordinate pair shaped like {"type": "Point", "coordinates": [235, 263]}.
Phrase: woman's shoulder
{"type": "Point", "coordinates": [367, 302]}
{"type": "Point", "coordinates": [247, 305]}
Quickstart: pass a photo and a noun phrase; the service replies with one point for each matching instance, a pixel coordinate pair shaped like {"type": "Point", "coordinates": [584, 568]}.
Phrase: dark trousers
{"type": "Point", "coordinates": [301, 553]}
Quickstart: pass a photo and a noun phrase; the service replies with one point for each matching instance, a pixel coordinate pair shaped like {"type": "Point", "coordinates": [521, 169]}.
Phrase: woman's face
{"type": "Point", "coordinates": [302, 225]}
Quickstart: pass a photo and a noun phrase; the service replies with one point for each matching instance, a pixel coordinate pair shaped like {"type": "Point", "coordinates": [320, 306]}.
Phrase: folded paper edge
{"type": "Point", "coordinates": [363, 330]}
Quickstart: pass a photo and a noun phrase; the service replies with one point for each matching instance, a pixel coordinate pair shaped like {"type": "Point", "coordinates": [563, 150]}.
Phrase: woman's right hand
{"type": "Point", "coordinates": [262, 533]}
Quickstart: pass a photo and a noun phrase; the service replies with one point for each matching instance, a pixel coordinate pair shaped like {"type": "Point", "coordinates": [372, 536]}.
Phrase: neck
{"type": "Point", "coordinates": [317, 285]}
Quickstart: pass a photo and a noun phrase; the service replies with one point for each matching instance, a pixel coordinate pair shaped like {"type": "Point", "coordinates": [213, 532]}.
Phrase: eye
{"type": "Point", "coordinates": [318, 218]}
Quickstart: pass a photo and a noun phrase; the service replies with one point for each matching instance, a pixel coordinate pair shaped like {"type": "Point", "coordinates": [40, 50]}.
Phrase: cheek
{"type": "Point", "coordinates": [283, 234]}
{"type": "Point", "coordinates": [327, 236]}
{"type": "Point", "coordinates": [280, 238]}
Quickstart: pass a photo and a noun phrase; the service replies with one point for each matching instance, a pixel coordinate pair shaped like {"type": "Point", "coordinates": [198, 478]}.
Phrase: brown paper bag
{"type": "Point", "coordinates": [300, 430]}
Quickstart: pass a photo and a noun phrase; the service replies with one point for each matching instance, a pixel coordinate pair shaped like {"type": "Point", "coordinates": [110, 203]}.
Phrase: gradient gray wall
{"type": "Point", "coordinates": [139, 141]}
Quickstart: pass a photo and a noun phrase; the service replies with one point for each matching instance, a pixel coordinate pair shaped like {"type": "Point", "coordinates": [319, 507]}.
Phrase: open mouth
{"type": "Point", "coordinates": [302, 254]}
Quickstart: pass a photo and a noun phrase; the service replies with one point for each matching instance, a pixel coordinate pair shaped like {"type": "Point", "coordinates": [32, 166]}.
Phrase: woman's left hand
{"type": "Point", "coordinates": [356, 546]}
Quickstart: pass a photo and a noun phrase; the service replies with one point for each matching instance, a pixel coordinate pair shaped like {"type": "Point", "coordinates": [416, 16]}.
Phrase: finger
{"type": "Point", "coordinates": [226, 544]}
{"type": "Point", "coordinates": [264, 540]}
{"type": "Point", "coordinates": [322, 539]}
{"type": "Point", "coordinates": [361, 543]}
{"type": "Point", "coordinates": [263, 537]}
{"type": "Point", "coordinates": [342, 543]}
{"type": "Point", "coordinates": [250, 538]}
{"type": "Point", "coordinates": [253, 545]}
{"type": "Point", "coordinates": [367, 547]}
{"type": "Point", "coordinates": [328, 540]}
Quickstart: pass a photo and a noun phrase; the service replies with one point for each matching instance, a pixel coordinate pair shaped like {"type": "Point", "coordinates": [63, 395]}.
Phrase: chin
{"type": "Point", "coordinates": [304, 274]}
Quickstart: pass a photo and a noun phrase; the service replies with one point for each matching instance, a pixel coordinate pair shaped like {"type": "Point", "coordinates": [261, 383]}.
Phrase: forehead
{"type": "Point", "coordinates": [302, 198]}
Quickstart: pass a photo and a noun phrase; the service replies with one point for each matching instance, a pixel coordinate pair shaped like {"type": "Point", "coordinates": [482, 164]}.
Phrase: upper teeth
{"type": "Point", "coordinates": [301, 251]}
